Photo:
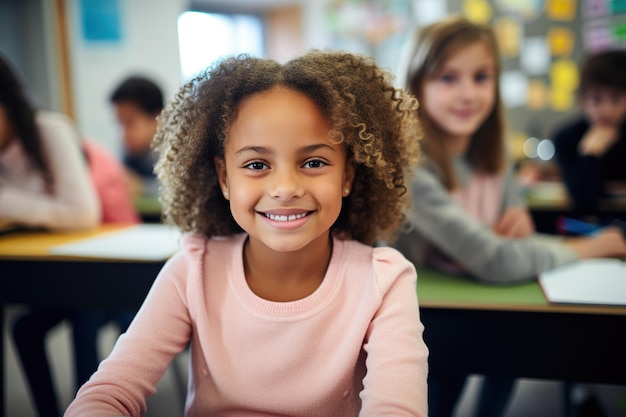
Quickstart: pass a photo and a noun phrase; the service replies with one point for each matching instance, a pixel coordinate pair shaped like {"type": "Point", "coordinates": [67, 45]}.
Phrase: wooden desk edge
{"type": "Point", "coordinates": [547, 308]}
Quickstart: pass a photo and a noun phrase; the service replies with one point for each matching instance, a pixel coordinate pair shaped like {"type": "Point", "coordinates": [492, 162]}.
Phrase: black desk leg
{"type": "Point", "coordinates": [2, 375]}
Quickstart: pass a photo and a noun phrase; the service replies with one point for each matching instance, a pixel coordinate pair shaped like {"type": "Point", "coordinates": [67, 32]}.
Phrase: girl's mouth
{"type": "Point", "coordinates": [285, 217]}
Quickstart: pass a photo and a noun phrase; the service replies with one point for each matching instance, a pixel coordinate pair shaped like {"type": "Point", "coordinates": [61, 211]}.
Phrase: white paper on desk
{"type": "Point", "coordinates": [588, 281]}
{"type": "Point", "coordinates": [149, 242]}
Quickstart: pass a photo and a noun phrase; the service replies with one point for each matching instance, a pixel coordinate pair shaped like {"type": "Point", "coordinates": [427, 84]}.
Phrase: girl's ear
{"type": "Point", "coordinates": [348, 178]}
{"type": "Point", "coordinates": [220, 167]}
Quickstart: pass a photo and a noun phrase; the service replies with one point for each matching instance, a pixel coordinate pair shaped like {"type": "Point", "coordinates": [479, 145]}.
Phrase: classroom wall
{"type": "Point", "coordinates": [146, 43]}
{"type": "Point", "coordinates": [27, 41]}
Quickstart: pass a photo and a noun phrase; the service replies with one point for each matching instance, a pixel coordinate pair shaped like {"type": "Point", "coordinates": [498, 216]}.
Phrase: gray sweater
{"type": "Point", "coordinates": [437, 219]}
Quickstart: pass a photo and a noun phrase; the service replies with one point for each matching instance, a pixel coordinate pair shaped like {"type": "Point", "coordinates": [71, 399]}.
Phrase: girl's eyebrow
{"type": "Point", "coordinates": [317, 146]}
{"type": "Point", "coordinates": [254, 149]}
{"type": "Point", "coordinates": [266, 151]}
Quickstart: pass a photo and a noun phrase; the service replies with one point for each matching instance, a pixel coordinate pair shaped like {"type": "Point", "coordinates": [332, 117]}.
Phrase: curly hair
{"type": "Point", "coordinates": [376, 122]}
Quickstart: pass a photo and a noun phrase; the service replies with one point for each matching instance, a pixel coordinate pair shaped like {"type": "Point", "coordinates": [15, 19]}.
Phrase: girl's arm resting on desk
{"type": "Point", "coordinates": [515, 221]}
{"type": "Point", "coordinates": [160, 330]}
{"type": "Point", "coordinates": [607, 243]}
{"type": "Point", "coordinates": [436, 218]}
{"type": "Point", "coordinates": [397, 357]}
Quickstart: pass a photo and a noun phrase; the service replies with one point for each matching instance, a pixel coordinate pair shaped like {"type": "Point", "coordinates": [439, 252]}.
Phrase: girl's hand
{"type": "Point", "coordinates": [609, 243]}
{"type": "Point", "coordinates": [515, 222]}
{"type": "Point", "coordinates": [597, 140]}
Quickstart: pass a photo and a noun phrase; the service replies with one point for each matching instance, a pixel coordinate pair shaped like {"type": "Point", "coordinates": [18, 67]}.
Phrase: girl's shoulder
{"type": "Point", "coordinates": [53, 119]}
{"type": "Point", "coordinates": [384, 262]}
{"type": "Point", "coordinates": [57, 130]}
{"type": "Point", "coordinates": [196, 242]}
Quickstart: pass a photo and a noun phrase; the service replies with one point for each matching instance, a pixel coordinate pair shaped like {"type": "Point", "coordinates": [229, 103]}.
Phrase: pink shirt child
{"type": "Point", "coordinates": [337, 352]}
{"type": "Point", "coordinates": [109, 180]}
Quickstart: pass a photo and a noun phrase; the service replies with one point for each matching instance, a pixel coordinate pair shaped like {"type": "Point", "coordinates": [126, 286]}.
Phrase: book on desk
{"type": "Point", "coordinates": [587, 281]}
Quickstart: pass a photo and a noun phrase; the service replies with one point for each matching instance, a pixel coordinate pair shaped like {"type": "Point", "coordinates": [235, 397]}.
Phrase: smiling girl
{"type": "Point", "coordinates": [282, 176]}
{"type": "Point", "coordinates": [467, 215]}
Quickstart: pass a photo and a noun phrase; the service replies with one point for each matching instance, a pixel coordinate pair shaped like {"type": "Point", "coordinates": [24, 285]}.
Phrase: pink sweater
{"type": "Point", "coordinates": [109, 180]}
{"type": "Point", "coordinates": [353, 347]}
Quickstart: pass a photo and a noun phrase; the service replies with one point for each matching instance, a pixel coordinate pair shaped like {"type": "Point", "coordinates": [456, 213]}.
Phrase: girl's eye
{"type": "Point", "coordinates": [314, 163]}
{"type": "Point", "coordinates": [447, 78]}
{"type": "Point", "coordinates": [256, 166]}
{"type": "Point", "coordinates": [482, 77]}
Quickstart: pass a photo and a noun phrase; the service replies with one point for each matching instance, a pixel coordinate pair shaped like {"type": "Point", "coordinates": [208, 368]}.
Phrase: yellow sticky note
{"type": "Point", "coordinates": [478, 11]}
{"type": "Point", "coordinates": [561, 100]}
{"type": "Point", "coordinates": [561, 41]}
{"type": "Point", "coordinates": [564, 75]}
{"type": "Point", "coordinates": [537, 95]}
{"type": "Point", "coordinates": [561, 9]}
{"type": "Point", "coordinates": [509, 33]}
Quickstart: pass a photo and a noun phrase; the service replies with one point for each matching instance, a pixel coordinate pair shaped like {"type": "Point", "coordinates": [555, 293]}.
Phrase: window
{"type": "Point", "coordinates": [206, 37]}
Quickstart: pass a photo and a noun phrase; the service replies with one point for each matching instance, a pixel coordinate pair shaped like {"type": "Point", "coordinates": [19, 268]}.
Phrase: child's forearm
{"type": "Point", "coordinates": [607, 244]}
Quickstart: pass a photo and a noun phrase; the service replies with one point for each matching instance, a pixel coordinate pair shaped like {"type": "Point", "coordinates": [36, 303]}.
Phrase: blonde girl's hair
{"type": "Point", "coordinates": [430, 49]}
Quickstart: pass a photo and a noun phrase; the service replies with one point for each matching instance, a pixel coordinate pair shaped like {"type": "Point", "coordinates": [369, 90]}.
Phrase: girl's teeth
{"type": "Point", "coordinates": [284, 218]}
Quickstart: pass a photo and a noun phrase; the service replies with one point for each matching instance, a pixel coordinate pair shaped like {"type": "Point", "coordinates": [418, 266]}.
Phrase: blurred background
{"type": "Point", "coordinates": [72, 54]}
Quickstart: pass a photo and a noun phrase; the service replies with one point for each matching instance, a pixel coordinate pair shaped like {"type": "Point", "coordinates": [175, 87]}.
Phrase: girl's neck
{"type": "Point", "coordinates": [456, 145]}
{"type": "Point", "coordinates": [286, 276]}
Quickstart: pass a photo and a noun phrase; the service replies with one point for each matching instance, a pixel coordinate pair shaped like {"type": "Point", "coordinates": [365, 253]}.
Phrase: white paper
{"type": "Point", "coordinates": [149, 242]}
{"type": "Point", "coordinates": [588, 281]}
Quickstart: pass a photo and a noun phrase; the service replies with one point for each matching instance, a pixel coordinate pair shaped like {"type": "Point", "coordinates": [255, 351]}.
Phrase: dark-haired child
{"type": "Point", "coordinates": [592, 150]}
{"type": "Point", "coordinates": [137, 102]}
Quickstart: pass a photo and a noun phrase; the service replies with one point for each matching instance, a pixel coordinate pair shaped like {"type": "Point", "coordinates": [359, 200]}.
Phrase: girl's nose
{"type": "Point", "coordinates": [467, 88]}
{"type": "Point", "coordinates": [286, 186]}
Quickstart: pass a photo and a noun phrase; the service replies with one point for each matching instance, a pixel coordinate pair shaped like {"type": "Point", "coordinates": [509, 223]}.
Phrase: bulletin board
{"type": "Point", "coordinates": [542, 43]}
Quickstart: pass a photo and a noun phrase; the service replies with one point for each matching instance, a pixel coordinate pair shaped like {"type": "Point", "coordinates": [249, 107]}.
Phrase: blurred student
{"type": "Point", "coordinates": [49, 180]}
{"type": "Point", "coordinates": [591, 151]}
{"type": "Point", "coordinates": [31, 329]}
{"type": "Point", "coordinates": [138, 101]}
{"type": "Point", "coordinates": [467, 216]}
{"type": "Point", "coordinates": [283, 176]}
{"type": "Point", "coordinates": [44, 180]}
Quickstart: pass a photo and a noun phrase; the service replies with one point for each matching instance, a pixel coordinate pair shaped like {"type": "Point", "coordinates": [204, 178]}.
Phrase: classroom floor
{"type": "Point", "coordinates": [532, 397]}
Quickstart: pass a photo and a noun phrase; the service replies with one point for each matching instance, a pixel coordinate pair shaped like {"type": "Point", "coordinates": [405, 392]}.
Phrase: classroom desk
{"type": "Point", "coordinates": [29, 275]}
{"type": "Point", "coordinates": [514, 331]}
{"type": "Point", "coordinates": [470, 327]}
{"type": "Point", "coordinates": [547, 207]}
{"type": "Point", "coordinates": [149, 208]}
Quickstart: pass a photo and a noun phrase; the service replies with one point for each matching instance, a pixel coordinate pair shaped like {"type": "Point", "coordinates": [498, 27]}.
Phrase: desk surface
{"type": "Point", "coordinates": [435, 289]}
{"type": "Point", "coordinates": [35, 245]}
{"type": "Point", "coordinates": [470, 327]}
{"type": "Point", "coordinates": [438, 290]}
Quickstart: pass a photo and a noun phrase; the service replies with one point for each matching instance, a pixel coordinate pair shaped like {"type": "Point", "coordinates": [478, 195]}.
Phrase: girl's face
{"type": "Point", "coordinates": [283, 177]}
{"type": "Point", "coordinates": [138, 127]}
{"type": "Point", "coordinates": [461, 96]}
{"type": "Point", "coordinates": [604, 106]}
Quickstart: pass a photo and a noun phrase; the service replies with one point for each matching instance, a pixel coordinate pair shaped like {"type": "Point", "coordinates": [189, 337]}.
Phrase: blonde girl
{"type": "Point", "coordinates": [282, 176]}
{"type": "Point", "coordinates": [468, 217]}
